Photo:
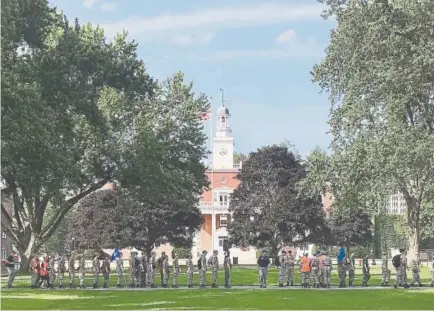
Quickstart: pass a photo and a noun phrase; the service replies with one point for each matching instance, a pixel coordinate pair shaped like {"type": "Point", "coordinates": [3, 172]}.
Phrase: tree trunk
{"type": "Point", "coordinates": [413, 219]}
{"type": "Point", "coordinates": [28, 251]}
{"type": "Point", "coordinates": [413, 244]}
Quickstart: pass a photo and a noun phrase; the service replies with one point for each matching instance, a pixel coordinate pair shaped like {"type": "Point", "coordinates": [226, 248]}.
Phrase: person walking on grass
{"type": "Point", "coordinates": [71, 267]}
{"type": "Point", "coordinates": [314, 270]}
{"type": "Point", "coordinates": [44, 272]}
{"type": "Point", "coordinates": [51, 270]}
{"type": "Point", "coordinates": [190, 270]}
{"type": "Point", "coordinates": [385, 272]}
{"type": "Point", "coordinates": [415, 270]}
{"type": "Point", "coordinates": [290, 268]}
{"type": "Point", "coordinates": [175, 267]}
{"type": "Point", "coordinates": [120, 271]}
{"type": "Point", "coordinates": [327, 261]}
{"type": "Point", "coordinates": [281, 263]}
{"type": "Point", "coordinates": [105, 270]}
{"type": "Point", "coordinates": [34, 271]}
{"type": "Point", "coordinates": [10, 267]}
{"type": "Point", "coordinates": [366, 271]}
{"type": "Point", "coordinates": [61, 268]}
{"type": "Point", "coordinates": [228, 270]}
{"type": "Point", "coordinates": [202, 266]}
{"type": "Point", "coordinates": [263, 263]}
{"type": "Point", "coordinates": [351, 269]}
{"type": "Point", "coordinates": [305, 269]}
{"type": "Point", "coordinates": [82, 270]}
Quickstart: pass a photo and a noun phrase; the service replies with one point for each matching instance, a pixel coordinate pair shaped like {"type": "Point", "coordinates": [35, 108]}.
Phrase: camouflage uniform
{"type": "Point", "coordinates": [215, 268]}
{"type": "Point", "coordinates": [51, 271]}
{"type": "Point", "coordinates": [71, 267]}
{"type": "Point", "coordinates": [228, 271]}
{"type": "Point", "coordinates": [190, 270]}
{"type": "Point", "coordinates": [143, 269]}
{"type": "Point", "coordinates": [82, 271]}
{"type": "Point", "coordinates": [415, 273]}
{"type": "Point", "coordinates": [385, 272]}
{"type": "Point", "coordinates": [61, 271]}
{"type": "Point", "coordinates": [34, 271]}
{"type": "Point", "coordinates": [327, 269]}
{"type": "Point", "coordinates": [175, 265]}
{"type": "Point", "coordinates": [166, 270]}
{"type": "Point", "coordinates": [133, 270]}
{"type": "Point", "coordinates": [351, 269]}
{"type": "Point", "coordinates": [138, 275]}
{"type": "Point", "coordinates": [96, 271]}
{"type": "Point", "coordinates": [321, 269]}
{"type": "Point", "coordinates": [120, 272]}
{"type": "Point", "coordinates": [342, 273]}
{"type": "Point", "coordinates": [432, 274]}
{"type": "Point", "coordinates": [365, 270]}
{"type": "Point", "coordinates": [152, 265]}
{"type": "Point", "coordinates": [314, 269]}
{"type": "Point", "coordinates": [202, 271]}
{"type": "Point", "coordinates": [290, 269]}
{"type": "Point", "coordinates": [399, 280]}
{"type": "Point", "coordinates": [282, 268]}
{"type": "Point", "coordinates": [105, 270]}
{"type": "Point", "coordinates": [404, 269]}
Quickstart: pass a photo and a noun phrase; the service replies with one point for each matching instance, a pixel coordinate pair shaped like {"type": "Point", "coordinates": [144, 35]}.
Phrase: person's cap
{"type": "Point", "coordinates": [204, 252]}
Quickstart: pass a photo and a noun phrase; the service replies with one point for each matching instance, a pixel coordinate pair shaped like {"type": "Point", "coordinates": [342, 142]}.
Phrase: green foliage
{"type": "Point", "coordinates": [382, 117]}
{"type": "Point", "coordinates": [268, 209]}
{"type": "Point", "coordinates": [182, 252]}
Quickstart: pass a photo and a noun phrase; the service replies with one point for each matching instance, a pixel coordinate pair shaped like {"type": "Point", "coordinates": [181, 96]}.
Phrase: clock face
{"type": "Point", "coordinates": [223, 151]}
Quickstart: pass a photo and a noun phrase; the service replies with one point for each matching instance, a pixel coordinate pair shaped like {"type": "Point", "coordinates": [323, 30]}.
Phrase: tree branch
{"type": "Point", "coordinates": [18, 205]}
{"type": "Point", "coordinates": [54, 222]}
{"type": "Point", "coordinates": [7, 222]}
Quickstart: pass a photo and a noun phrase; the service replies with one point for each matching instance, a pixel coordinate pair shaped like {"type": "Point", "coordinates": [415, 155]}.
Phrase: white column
{"type": "Point", "coordinates": [213, 226]}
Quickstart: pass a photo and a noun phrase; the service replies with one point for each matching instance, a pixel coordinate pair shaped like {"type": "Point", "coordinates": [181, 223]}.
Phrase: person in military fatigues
{"type": "Point", "coordinates": [160, 267]}
{"type": "Point", "coordinates": [133, 269]}
{"type": "Point", "coordinates": [143, 269]}
{"type": "Point", "coordinates": [282, 268]}
{"type": "Point", "coordinates": [228, 270]}
{"type": "Point", "coordinates": [71, 268]}
{"type": "Point", "coordinates": [138, 275]}
{"type": "Point", "coordinates": [365, 270]}
{"type": "Point", "coordinates": [61, 268]}
{"type": "Point", "coordinates": [415, 273]}
{"type": "Point", "coordinates": [385, 272]}
{"type": "Point", "coordinates": [96, 270]}
{"type": "Point", "coordinates": [314, 270]}
{"type": "Point", "coordinates": [34, 271]}
{"type": "Point", "coordinates": [190, 270]}
{"type": "Point", "coordinates": [351, 269]}
{"type": "Point", "coordinates": [342, 273]}
{"type": "Point", "coordinates": [152, 266]}
{"type": "Point", "coordinates": [82, 270]}
{"type": "Point", "coordinates": [404, 268]}
{"type": "Point", "coordinates": [321, 268]}
{"type": "Point", "coordinates": [105, 270]}
{"type": "Point", "coordinates": [290, 262]}
{"type": "Point", "coordinates": [215, 268]}
{"type": "Point", "coordinates": [120, 271]}
{"type": "Point", "coordinates": [327, 269]}
{"type": "Point", "coordinates": [166, 271]}
{"type": "Point", "coordinates": [202, 269]}
{"type": "Point", "coordinates": [175, 265]}
{"type": "Point", "coordinates": [51, 270]}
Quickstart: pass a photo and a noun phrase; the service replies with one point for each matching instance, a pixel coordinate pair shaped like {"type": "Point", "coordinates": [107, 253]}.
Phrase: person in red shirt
{"type": "Point", "coordinates": [34, 271]}
{"type": "Point", "coordinates": [43, 271]}
{"type": "Point", "coordinates": [305, 270]}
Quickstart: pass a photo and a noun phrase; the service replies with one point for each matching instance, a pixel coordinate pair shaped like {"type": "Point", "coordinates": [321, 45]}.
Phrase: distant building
{"type": "Point", "coordinates": [396, 204]}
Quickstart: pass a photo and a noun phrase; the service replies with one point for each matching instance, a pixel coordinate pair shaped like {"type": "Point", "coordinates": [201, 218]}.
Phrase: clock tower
{"type": "Point", "coordinates": [223, 142]}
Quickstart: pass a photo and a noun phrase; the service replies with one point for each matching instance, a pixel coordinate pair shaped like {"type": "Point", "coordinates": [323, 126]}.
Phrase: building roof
{"type": "Point", "coordinates": [223, 110]}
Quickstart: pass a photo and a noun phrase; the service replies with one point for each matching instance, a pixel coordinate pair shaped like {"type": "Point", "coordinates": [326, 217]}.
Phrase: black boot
{"type": "Point", "coordinates": [281, 285]}
{"type": "Point", "coordinates": [190, 286]}
{"type": "Point", "coordinates": [287, 283]}
{"type": "Point", "coordinates": [95, 286]}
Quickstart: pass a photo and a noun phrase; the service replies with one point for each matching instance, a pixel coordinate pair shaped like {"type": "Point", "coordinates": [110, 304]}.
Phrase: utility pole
{"type": "Point", "coordinates": [223, 96]}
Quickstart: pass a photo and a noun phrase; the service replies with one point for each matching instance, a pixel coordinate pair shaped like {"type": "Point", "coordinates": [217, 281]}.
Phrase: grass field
{"type": "Point", "coordinates": [23, 298]}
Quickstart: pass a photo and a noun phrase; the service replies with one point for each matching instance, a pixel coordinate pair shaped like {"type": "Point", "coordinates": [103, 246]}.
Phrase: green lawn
{"type": "Point", "coordinates": [22, 298]}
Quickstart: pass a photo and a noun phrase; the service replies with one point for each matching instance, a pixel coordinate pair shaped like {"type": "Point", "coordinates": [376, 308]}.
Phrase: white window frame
{"type": "Point", "coordinates": [3, 253]}
{"type": "Point", "coordinates": [221, 198]}
{"type": "Point", "coordinates": [4, 236]}
{"type": "Point", "coordinates": [223, 220]}
{"type": "Point", "coordinates": [222, 239]}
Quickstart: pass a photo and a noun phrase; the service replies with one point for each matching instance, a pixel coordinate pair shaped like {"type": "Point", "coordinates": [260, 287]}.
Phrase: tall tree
{"type": "Point", "coordinates": [159, 188]}
{"type": "Point", "coordinates": [378, 71]}
{"type": "Point", "coordinates": [268, 210]}
{"type": "Point", "coordinates": [58, 145]}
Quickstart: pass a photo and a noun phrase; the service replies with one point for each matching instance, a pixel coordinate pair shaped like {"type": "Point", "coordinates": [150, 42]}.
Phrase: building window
{"type": "Point", "coordinates": [3, 235]}
{"type": "Point", "coordinates": [223, 220]}
{"type": "Point", "coordinates": [3, 253]}
{"type": "Point", "coordinates": [304, 247]}
{"type": "Point", "coordinates": [221, 199]}
{"type": "Point", "coordinates": [223, 240]}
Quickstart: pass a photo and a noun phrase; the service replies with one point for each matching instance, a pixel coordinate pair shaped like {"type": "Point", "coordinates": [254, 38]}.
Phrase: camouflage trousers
{"type": "Point", "coordinates": [138, 277]}
{"type": "Point", "coordinates": [71, 277]}
{"type": "Point", "coordinates": [133, 277]}
{"type": "Point", "coordinates": [327, 274]}
{"type": "Point", "coordinates": [342, 274]}
{"type": "Point", "coordinates": [290, 271]}
{"type": "Point", "coordinates": [96, 278]}
{"type": "Point", "coordinates": [215, 274]}
{"type": "Point", "coordinates": [404, 275]}
{"type": "Point", "coordinates": [305, 278]}
{"type": "Point", "coordinates": [228, 277]}
{"type": "Point", "coordinates": [61, 278]}
{"type": "Point", "coordinates": [263, 272]}
{"type": "Point", "coordinates": [321, 275]}
{"type": "Point", "coordinates": [175, 277]}
{"type": "Point", "coordinates": [202, 275]}
{"type": "Point", "coordinates": [366, 276]}
{"type": "Point", "coordinates": [190, 277]}
{"type": "Point", "coordinates": [121, 279]}
{"type": "Point", "coordinates": [143, 278]}
{"type": "Point", "coordinates": [399, 280]}
{"type": "Point", "coordinates": [34, 278]}
{"type": "Point", "coordinates": [416, 277]}
{"type": "Point", "coordinates": [150, 277]}
{"type": "Point", "coordinates": [106, 277]}
{"type": "Point", "coordinates": [385, 275]}
{"type": "Point", "coordinates": [314, 275]}
{"type": "Point", "coordinates": [52, 277]}
{"type": "Point", "coordinates": [351, 276]}
{"type": "Point", "coordinates": [165, 278]}
{"type": "Point", "coordinates": [82, 276]}
{"type": "Point", "coordinates": [282, 272]}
